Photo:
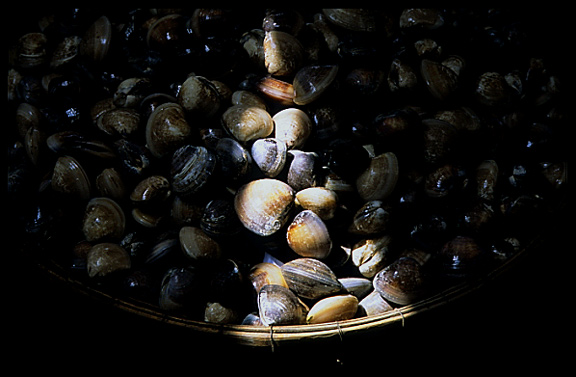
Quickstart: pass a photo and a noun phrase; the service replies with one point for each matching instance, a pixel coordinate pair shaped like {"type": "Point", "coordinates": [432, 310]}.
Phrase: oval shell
{"type": "Point", "coordinates": [277, 305]}
{"type": "Point", "coordinates": [106, 258]}
{"type": "Point", "coordinates": [247, 123]}
{"type": "Point", "coordinates": [293, 126]}
{"type": "Point", "coordinates": [335, 308]}
{"type": "Point", "coordinates": [310, 278]}
{"type": "Point", "coordinates": [166, 129]}
{"type": "Point", "coordinates": [308, 236]}
{"type": "Point", "coordinates": [401, 282]}
{"type": "Point", "coordinates": [379, 180]}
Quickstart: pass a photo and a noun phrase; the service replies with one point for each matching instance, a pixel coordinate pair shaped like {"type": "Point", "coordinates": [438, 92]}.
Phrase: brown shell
{"type": "Point", "coordinates": [167, 129]}
{"type": "Point", "coordinates": [310, 278]}
{"type": "Point", "coordinates": [308, 236]}
{"type": "Point", "coordinates": [379, 180]}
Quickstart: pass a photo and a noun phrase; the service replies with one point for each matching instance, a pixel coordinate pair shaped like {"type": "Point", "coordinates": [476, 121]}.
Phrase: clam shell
{"type": "Point", "coordinates": [266, 273]}
{"type": "Point", "coordinates": [106, 258]}
{"type": "Point", "coordinates": [103, 219]}
{"type": "Point", "coordinates": [486, 178]}
{"type": "Point", "coordinates": [198, 245]}
{"type": "Point", "coordinates": [402, 282]}
{"type": "Point", "coordinates": [263, 206]}
{"type": "Point", "coordinates": [247, 123]}
{"type": "Point", "coordinates": [311, 81]}
{"type": "Point", "coordinates": [320, 200]}
{"type": "Point", "coordinates": [441, 80]}
{"type": "Point", "coordinates": [302, 170]}
{"type": "Point", "coordinates": [70, 178]}
{"type": "Point", "coordinates": [96, 41]}
{"type": "Point", "coordinates": [308, 236]}
{"type": "Point", "coordinates": [293, 126]}
{"type": "Point", "coordinates": [167, 129]}
{"type": "Point", "coordinates": [371, 255]}
{"type": "Point", "coordinates": [459, 257]}
{"type": "Point", "coordinates": [154, 188]}
{"type": "Point", "coordinates": [379, 180]}
{"type": "Point", "coordinates": [283, 53]}
{"type": "Point", "coordinates": [335, 308]}
{"type": "Point", "coordinates": [277, 305]}
{"type": "Point", "coordinates": [192, 168]}
{"type": "Point", "coordinates": [374, 304]}
{"type": "Point", "coordinates": [110, 184]}
{"type": "Point", "coordinates": [366, 20]}
{"type": "Point", "coordinates": [198, 96]}
{"type": "Point", "coordinates": [269, 154]}
{"type": "Point", "coordinates": [119, 121]}
{"type": "Point", "coordinates": [310, 278]}
{"type": "Point", "coordinates": [276, 90]}
{"type": "Point", "coordinates": [371, 218]}
{"type": "Point", "coordinates": [359, 287]}
{"type": "Point", "coordinates": [234, 159]}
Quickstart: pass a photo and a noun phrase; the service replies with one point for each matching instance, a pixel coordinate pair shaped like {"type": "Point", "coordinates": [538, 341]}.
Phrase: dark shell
{"type": "Point", "coordinates": [402, 282]}
{"type": "Point", "coordinates": [192, 169]}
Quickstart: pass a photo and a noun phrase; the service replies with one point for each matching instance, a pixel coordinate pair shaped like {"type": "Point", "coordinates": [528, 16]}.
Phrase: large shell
{"type": "Point", "coordinates": [320, 200]}
{"type": "Point", "coordinates": [335, 308]}
{"type": "Point", "coordinates": [379, 180]}
{"type": "Point", "coordinates": [402, 282]}
{"type": "Point", "coordinates": [293, 126]}
{"type": "Point", "coordinates": [263, 206]}
{"type": "Point", "coordinates": [103, 219]}
{"type": "Point", "coordinates": [277, 305]}
{"type": "Point", "coordinates": [247, 123]}
{"type": "Point", "coordinates": [283, 53]}
{"type": "Point", "coordinates": [192, 168]}
{"type": "Point", "coordinates": [310, 278]}
{"type": "Point", "coordinates": [106, 258]}
{"type": "Point", "coordinates": [96, 41]}
{"type": "Point", "coordinates": [311, 81]}
{"type": "Point", "coordinates": [167, 129]}
{"type": "Point", "coordinates": [70, 178]}
{"type": "Point", "coordinates": [198, 96]}
{"type": "Point", "coordinates": [269, 154]}
{"type": "Point", "coordinates": [308, 236]}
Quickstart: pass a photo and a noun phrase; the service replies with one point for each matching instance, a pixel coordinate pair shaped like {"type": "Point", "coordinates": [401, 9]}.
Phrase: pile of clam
{"type": "Point", "coordinates": [281, 167]}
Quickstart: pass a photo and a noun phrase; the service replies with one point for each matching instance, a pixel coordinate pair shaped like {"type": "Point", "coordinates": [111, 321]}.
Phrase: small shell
{"type": "Point", "coordinates": [359, 287]}
{"type": "Point", "coordinates": [363, 20]}
{"type": "Point", "coordinates": [192, 169]}
{"type": "Point", "coordinates": [493, 90]}
{"type": "Point", "coordinates": [319, 200]}
{"type": "Point", "coordinates": [167, 129]}
{"type": "Point", "coordinates": [335, 308]}
{"type": "Point", "coordinates": [302, 171]}
{"type": "Point", "coordinates": [152, 189]}
{"type": "Point", "coordinates": [96, 41]}
{"type": "Point", "coordinates": [310, 278]}
{"type": "Point", "coordinates": [119, 121]}
{"type": "Point", "coordinates": [440, 79]}
{"type": "Point", "coordinates": [277, 305]}
{"type": "Point", "coordinates": [428, 19]}
{"type": "Point", "coordinates": [311, 81]}
{"type": "Point", "coordinates": [65, 51]}
{"type": "Point", "coordinates": [234, 159]}
{"type": "Point", "coordinates": [110, 184]}
{"type": "Point", "coordinates": [103, 219]}
{"type": "Point", "coordinates": [266, 273]}
{"type": "Point", "coordinates": [269, 154]}
{"type": "Point", "coordinates": [219, 220]}
{"type": "Point", "coordinates": [374, 304]}
{"type": "Point", "coordinates": [283, 53]}
{"type": "Point", "coordinates": [32, 50]}
{"type": "Point", "coordinates": [486, 177]}
{"type": "Point", "coordinates": [293, 126]}
{"type": "Point", "coordinates": [308, 236]}
{"type": "Point", "coordinates": [459, 257]}
{"type": "Point", "coordinates": [198, 96]}
{"type": "Point", "coordinates": [198, 245]}
{"type": "Point", "coordinates": [247, 123]}
{"type": "Point", "coordinates": [104, 259]}
{"type": "Point", "coordinates": [379, 180]}
{"type": "Point", "coordinates": [264, 205]}
{"type": "Point", "coordinates": [132, 91]}
{"type": "Point", "coordinates": [70, 178]}
{"type": "Point", "coordinates": [371, 255]}
{"type": "Point", "coordinates": [276, 90]}
{"type": "Point", "coordinates": [371, 218]}
{"type": "Point", "coordinates": [402, 282]}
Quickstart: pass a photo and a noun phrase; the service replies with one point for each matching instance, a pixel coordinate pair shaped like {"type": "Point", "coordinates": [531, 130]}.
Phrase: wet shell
{"type": "Point", "coordinates": [311, 81]}
{"type": "Point", "coordinates": [198, 245]}
{"type": "Point", "coordinates": [379, 180]}
{"type": "Point", "coordinates": [219, 220]}
{"type": "Point", "coordinates": [366, 20]}
{"type": "Point", "coordinates": [110, 184]}
{"type": "Point", "coordinates": [320, 200]}
{"type": "Point", "coordinates": [198, 96]}
{"type": "Point", "coordinates": [283, 53]}
{"type": "Point", "coordinates": [103, 219]}
{"type": "Point", "coordinates": [277, 305]}
{"type": "Point", "coordinates": [266, 273]}
{"type": "Point", "coordinates": [65, 51]}
{"type": "Point", "coordinates": [104, 259]}
{"type": "Point", "coordinates": [32, 50]}
{"type": "Point", "coordinates": [276, 90]}
{"type": "Point", "coordinates": [440, 79]}
{"type": "Point", "coordinates": [166, 129]}
{"type": "Point", "coordinates": [120, 121]}
{"type": "Point", "coordinates": [70, 178]}
{"type": "Point", "coordinates": [429, 19]}
{"type": "Point", "coordinates": [269, 154]}
{"type": "Point", "coordinates": [371, 218]}
{"type": "Point", "coordinates": [371, 255]}
{"type": "Point", "coordinates": [96, 41]}
{"type": "Point", "coordinates": [308, 236]}
{"type": "Point", "coordinates": [293, 126]}
{"type": "Point", "coordinates": [132, 91]}
{"type": "Point", "coordinates": [263, 206]}
{"type": "Point", "coordinates": [302, 170]}
{"type": "Point", "coordinates": [310, 278]}
{"type": "Point", "coordinates": [192, 169]}
{"type": "Point", "coordinates": [401, 282]}
{"type": "Point", "coordinates": [155, 188]}
{"type": "Point", "coordinates": [247, 123]}
{"type": "Point", "coordinates": [459, 257]}
{"type": "Point", "coordinates": [359, 287]}
{"type": "Point", "coordinates": [234, 160]}
{"type": "Point", "coordinates": [335, 308]}
{"type": "Point", "coordinates": [486, 178]}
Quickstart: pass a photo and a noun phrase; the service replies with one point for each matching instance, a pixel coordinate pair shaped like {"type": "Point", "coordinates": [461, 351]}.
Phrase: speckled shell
{"type": "Point", "coordinates": [167, 129]}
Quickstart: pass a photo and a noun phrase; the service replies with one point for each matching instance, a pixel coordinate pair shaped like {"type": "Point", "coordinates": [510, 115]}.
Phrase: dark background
{"type": "Point", "coordinates": [521, 321]}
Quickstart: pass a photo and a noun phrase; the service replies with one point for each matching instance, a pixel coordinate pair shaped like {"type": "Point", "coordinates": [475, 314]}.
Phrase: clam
{"type": "Point", "coordinates": [266, 273]}
{"type": "Point", "coordinates": [186, 212]}
{"type": "Point", "coordinates": [219, 220]}
{"type": "Point", "coordinates": [32, 50]}
{"type": "Point", "coordinates": [167, 129]}
{"type": "Point", "coordinates": [428, 19]}
{"type": "Point", "coordinates": [132, 91]}
{"type": "Point", "coordinates": [359, 287]}
{"type": "Point", "coordinates": [439, 139]}
{"type": "Point", "coordinates": [247, 98]}
{"type": "Point", "coordinates": [310, 278]}
{"type": "Point", "coordinates": [65, 51]}
{"type": "Point", "coordinates": [277, 305]}
{"type": "Point", "coordinates": [441, 78]}
{"type": "Point", "coordinates": [35, 143]}
{"type": "Point", "coordinates": [372, 255]}
{"type": "Point", "coordinates": [264, 205]}
{"type": "Point", "coordinates": [234, 159]}
{"type": "Point", "coordinates": [308, 236]}
{"type": "Point", "coordinates": [287, 20]}
{"type": "Point", "coordinates": [181, 288]}
{"type": "Point", "coordinates": [320, 200]}
{"type": "Point", "coordinates": [463, 118]}
{"type": "Point", "coordinates": [374, 304]}
{"type": "Point", "coordinates": [197, 245]}
{"type": "Point", "coordinates": [217, 312]}
{"type": "Point", "coordinates": [253, 43]}
{"type": "Point", "coordinates": [441, 181]}
{"type": "Point", "coordinates": [402, 282]}
{"type": "Point", "coordinates": [110, 184]}
{"type": "Point", "coordinates": [379, 180]}
{"type": "Point", "coordinates": [104, 259]}
{"type": "Point", "coordinates": [247, 123]}
{"type": "Point", "coordinates": [27, 116]}
{"type": "Point", "coordinates": [120, 121]}
{"type": "Point", "coordinates": [401, 77]}
{"type": "Point", "coordinates": [72, 142]}
{"type": "Point", "coordinates": [364, 20]}
{"type": "Point", "coordinates": [199, 96]}
{"type": "Point", "coordinates": [269, 154]}
{"type": "Point", "coordinates": [95, 42]}
{"type": "Point", "coordinates": [492, 89]}
{"type": "Point", "coordinates": [302, 170]}
{"type": "Point", "coordinates": [293, 126]}
{"type": "Point", "coordinates": [277, 90]}
{"type": "Point", "coordinates": [371, 218]}
{"type": "Point", "coordinates": [459, 257]}
{"type": "Point", "coordinates": [334, 308]}
{"type": "Point", "coordinates": [103, 219]}
{"type": "Point", "coordinates": [311, 81]}
{"type": "Point", "coordinates": [152, 189]}
{"type": "Point", "coordinates": [135, 159]}
{"type": "Point", "coordinates": [192, 169]}
{"type": "Point", "coordinates": [167, 32]}
{"type": "Point", "coordinates": [283, 53]}
{"type": "Point", "coordinates": [486, 178]}
{"type": "Point", "coordinates": [70, 178]}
